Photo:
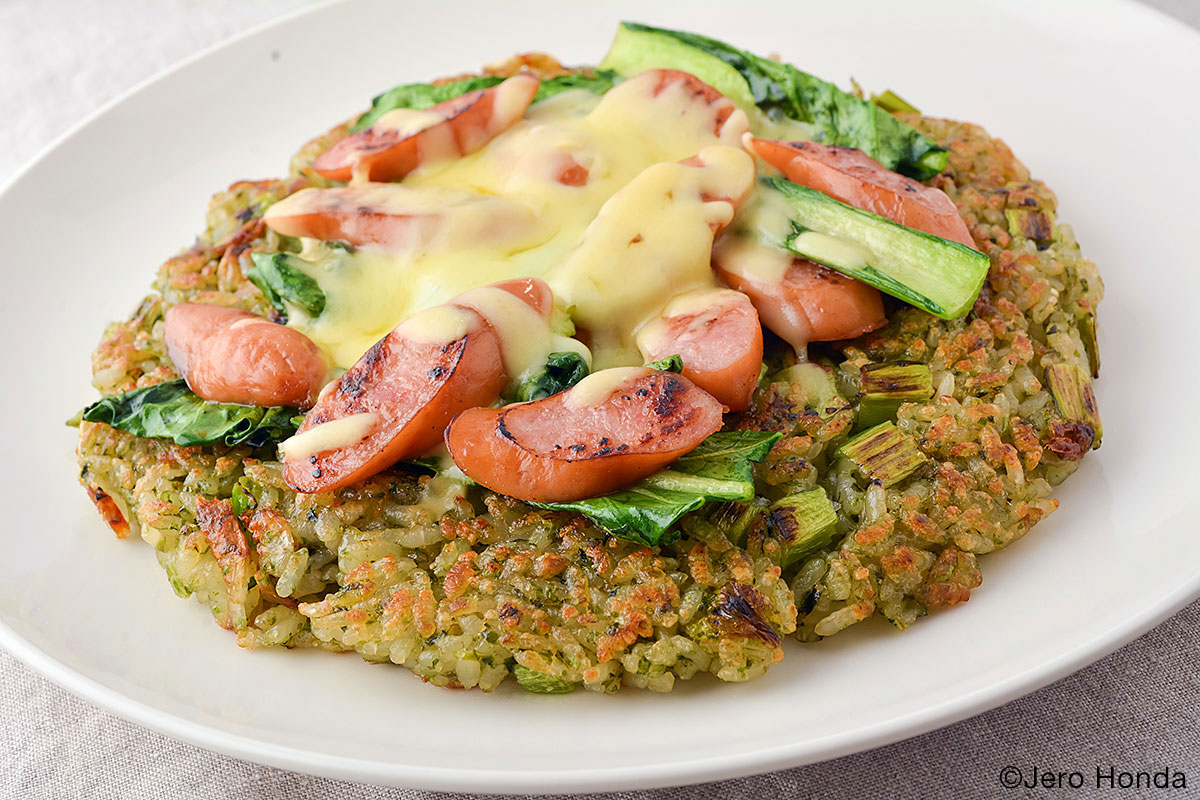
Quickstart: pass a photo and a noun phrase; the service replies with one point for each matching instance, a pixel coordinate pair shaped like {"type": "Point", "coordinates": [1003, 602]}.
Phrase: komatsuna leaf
{"type": "Point", "coordinates": [424, 95]}
{"type": "Point", "coordinates": [599, 82]}
{"type": "Point", "coordinates": [782, 91]}
{"type": "Point", "coordinates": [721, 468]}
{"type": "Point", "coordinates": [672, 363]}
{"type": "Point", "coordinates": [280, 277]}
{"type": "Point", "coordinates": [171, 410]}
{"type": "Point", "coordinates": [562, 371]}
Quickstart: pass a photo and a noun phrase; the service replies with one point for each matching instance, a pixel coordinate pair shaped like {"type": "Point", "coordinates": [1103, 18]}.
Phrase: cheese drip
{"type": "Point", "coordinates": [525, 336]}
{"type": "Point", "coordinates": [333, 435]}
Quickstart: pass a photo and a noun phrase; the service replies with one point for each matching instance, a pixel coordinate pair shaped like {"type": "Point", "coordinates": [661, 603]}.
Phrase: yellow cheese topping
{"type": "Point", "coordinates": [333, 435]}
{"type": "Point", "coordinates": [653, 335]}
{"type": "Point", "coordinates": [525, 336]}
{"type": "Point", "coordinates": [599, 386]}
{"type": "Point", "coordinates": [501, 212]}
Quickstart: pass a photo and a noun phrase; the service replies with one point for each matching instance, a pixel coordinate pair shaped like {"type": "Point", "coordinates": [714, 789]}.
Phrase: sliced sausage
{"type": "Point", "coordinates": [395, 402]}
{"type": "Point", "coordinates": [402, 140]}
{"type": "Point", "coordinates": [717, 335]}
{"type": "Point", "coordinates": [227, 355]}
{"type": "Point", "coordinates": [856, 179]}
{"type": "Point", "coordinates": [611, 429]}
{"type": "Point", "coordinates": [799, 300]}
{"type": "Point", "coordinates": [397, 218]}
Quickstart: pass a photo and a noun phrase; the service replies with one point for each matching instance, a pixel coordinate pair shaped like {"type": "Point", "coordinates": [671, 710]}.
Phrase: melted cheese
{"type": "Point", "coordinates": [658, 333]}
{"type": "Point", "coordinates": [438, 325]}
{"type": "Point", "coordinates": [599, 386]}
{"type": "Point", "coordinates": [697, 301]}
{"type": "Point", "coordinates": [332, 435]}
{"type": "Point", "coordinates": [649, 243]}
{"type": "Point", "coordinates": [630, 136]}
{"type": "Point", "coordinates": [525, 336]}
{"type": "Point", "coordinates": [752, 258]}
{"type": "Point", "coordinates": [407, 121]}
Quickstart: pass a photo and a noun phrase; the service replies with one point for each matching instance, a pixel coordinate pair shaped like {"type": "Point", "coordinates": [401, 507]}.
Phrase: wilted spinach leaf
{"type": "Point", "coordinates": [171, 410]}
{"type": "Point", "coordinates": [563, 370]}
{"type": "Point", "coordinates": [279, 277]}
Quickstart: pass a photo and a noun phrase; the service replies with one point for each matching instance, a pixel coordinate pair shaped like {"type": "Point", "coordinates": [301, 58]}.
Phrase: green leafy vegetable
{"type": "Point", "coordinates": [600, 82]}
{"type": "Point", "coordinates": [563, 370]}
{"type": "Point", "coordinates": [430, 464]}
{"type": "Point", "coordinates": [423, 95]}
{"type": "Point", "coordinates": [539, 683]}
{"type": "Point", "coordinates": [780, 91]}
{"type": "Point", "coordinates": [279, 277]}
{"type": "Point", "coordinates": [171, 411]}
{"type": "Point", "coordinates": [673, 363]}
{"type": "Point", "coordinates": [721, 468]}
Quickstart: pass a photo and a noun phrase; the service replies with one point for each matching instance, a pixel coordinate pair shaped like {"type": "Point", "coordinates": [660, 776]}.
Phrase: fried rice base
{"type": "Point", "coordinates": [464, 587]}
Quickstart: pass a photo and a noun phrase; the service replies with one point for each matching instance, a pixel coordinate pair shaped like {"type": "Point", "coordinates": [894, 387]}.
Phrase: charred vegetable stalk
{"type": "Point", "coordinates": [1087, 332]}
{"type": "Point", "coordinates": [1030, 223]}
{"type": "Point", "coordinates": [940, 276]}
{"type": "Point", "coordinates": [1071, 389]}
{"type": "Point", "coordinates": [821, 395]}
{"type": "Point", "coordinates": [804, 523]}
{"type": "Point", "coordinates": [884, 454]}
{"type": "Point", "coordinates": [893, 103]}
{"type": "Point", "coordinates": [885, 387]}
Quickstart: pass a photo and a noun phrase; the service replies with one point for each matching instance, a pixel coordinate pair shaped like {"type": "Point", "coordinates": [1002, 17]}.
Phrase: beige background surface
{"type": "Point", "coordinates": [1138, 709]}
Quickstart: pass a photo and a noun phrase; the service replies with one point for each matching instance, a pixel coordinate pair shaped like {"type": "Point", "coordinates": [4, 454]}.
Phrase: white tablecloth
{"type": "Point", "coordinates": [1137, 710]}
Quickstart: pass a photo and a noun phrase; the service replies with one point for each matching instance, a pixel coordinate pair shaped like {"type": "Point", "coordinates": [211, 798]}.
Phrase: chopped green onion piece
{"type": "Point", "coordinates": [893, 103]}
{"type": "Point", "coordinates": [804, 524]}
{"type": "Point", "coordinates": [539, 683]}
{"type": "Point", "coordinates": [733, 519]}
{"type": "Point", "coordinates": [241, 499]}
{"type": "Point", "coordinates": [1030, 223]}
{"type": "Point", "coordinates": [819, 387]}
{"type": "Point", "coordinates": [669, 364]}
{"type": "Point", "coordinates": [884, 454]}
{"type": "Point", "coordinates": [885, 387]}
{"type": "Point", "coordinates": [1071, 389]}
{"type": "Point", "coordinates": [1087, 332]}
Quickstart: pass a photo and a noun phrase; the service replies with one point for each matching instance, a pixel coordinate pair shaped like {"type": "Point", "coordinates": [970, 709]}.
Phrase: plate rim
{"type": "Point", "coordinates": [493, 781]}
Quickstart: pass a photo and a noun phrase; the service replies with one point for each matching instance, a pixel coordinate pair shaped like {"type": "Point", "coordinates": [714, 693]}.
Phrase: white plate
{"type": "Point", "coordinates": [1089, 95]}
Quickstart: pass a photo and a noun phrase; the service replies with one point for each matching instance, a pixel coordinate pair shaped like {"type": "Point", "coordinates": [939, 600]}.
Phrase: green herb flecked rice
{"type": "Point", "coordinates": [465, 588]}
